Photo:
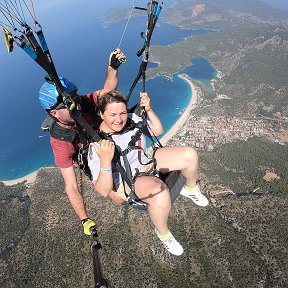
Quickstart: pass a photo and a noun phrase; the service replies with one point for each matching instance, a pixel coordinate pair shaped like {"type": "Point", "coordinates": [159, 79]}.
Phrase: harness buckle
{"type": "Point", "coordinates": [137, 204]}
{"type": "Point", "coordinates": [80, 157]}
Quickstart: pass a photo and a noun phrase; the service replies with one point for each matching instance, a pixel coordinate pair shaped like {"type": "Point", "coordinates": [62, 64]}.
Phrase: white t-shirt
{"type": "Point", "coordinates": [121, 143]}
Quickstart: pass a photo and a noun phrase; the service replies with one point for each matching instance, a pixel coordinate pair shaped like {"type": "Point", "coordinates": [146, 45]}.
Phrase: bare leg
{"type": "Point", "coordinates": [184, 159]}
{"type": "Point", "coordinates": [156, 194]}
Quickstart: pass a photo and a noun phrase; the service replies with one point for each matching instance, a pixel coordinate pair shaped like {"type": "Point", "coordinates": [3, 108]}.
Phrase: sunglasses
{"type": "Point", "coordinates": [60, 106]}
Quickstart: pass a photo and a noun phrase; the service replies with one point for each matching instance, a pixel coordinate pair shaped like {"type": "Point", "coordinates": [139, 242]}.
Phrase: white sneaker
{"type": "Point", "coordinates": [173, 246]}
{"type": "Point", "coordinates": [197, 197]}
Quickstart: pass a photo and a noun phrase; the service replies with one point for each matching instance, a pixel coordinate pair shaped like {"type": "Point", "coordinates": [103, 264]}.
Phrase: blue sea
{"type": "Point", "coordinates": [80, 45]}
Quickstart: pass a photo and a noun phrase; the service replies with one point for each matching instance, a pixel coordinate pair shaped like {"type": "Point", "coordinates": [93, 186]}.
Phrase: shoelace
{"type": "Point", "coordinates": [195, 197]}
{"type": "Point", "coordinates": [167, 242]}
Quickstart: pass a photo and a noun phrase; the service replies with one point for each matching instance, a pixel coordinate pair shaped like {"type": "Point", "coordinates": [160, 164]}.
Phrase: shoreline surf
{"type": "Point", "coordinates": [185, 115]}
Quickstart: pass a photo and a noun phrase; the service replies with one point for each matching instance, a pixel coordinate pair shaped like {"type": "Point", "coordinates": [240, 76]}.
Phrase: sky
{"type": "Point", "coordinates": [282, 4]}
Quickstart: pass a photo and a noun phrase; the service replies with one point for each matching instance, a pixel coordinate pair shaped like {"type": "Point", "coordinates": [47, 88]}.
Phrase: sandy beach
{"type": "Point", "coordinates": [30, 178]}
{"type": "Point", "coordinates": [185, 115]}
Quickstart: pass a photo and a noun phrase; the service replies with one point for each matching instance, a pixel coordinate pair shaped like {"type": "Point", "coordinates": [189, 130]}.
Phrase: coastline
{"type": "Point", "coordinates": [29, 178]}
{"type": "Point", "coordinates": [185, 115]}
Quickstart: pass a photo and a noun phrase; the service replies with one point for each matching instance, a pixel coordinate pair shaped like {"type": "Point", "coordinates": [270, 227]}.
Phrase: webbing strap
{"type": "Point", "coordinates": [77, 116]}
{"type": "Point", "coordinates": [126, 176]}
{"type": "Point", "coordinates": [42, 56]}
{"type": "Point", "coordinates": [153, 11]}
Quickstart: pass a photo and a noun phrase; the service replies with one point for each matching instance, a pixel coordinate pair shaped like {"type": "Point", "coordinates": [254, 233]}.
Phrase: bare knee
{"type": "Point", "coordinates": [190, 154]}
{"type": "Point", "coordinates": [160, 197]}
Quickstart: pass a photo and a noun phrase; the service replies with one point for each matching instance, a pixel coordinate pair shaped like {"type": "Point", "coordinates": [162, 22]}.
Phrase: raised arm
{"type": "Point", "coordinates": [154, 121]}
{"type": "Point", "coordinates": [116, 58]}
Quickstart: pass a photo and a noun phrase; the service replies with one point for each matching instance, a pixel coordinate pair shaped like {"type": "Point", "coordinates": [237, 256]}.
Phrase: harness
{"type": "Point", "coordinates": [81, 153]}
{"type": "Point", "coordinates": [125, 168]}
{"type": "Point", "coordinates": [75, 137]}
{"type": "Point", "coordinates": [174, 180]}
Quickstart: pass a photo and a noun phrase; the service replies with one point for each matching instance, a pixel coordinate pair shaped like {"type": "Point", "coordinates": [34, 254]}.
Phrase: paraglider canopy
{"type": "Point", "coordinates": [8, 38]}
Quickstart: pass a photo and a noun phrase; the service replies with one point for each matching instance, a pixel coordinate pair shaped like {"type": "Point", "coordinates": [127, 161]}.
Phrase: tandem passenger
{"type": "Point", "coordinates": [116, 126]}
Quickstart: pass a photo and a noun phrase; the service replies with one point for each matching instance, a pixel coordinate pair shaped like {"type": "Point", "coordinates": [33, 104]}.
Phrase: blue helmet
{"type": "Point", "coordinates": [49, 96]}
